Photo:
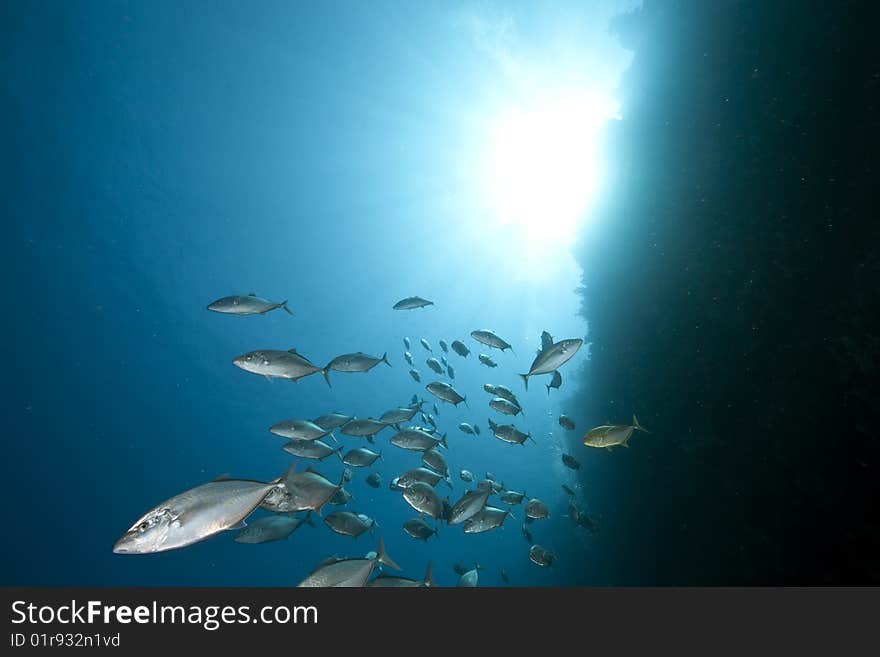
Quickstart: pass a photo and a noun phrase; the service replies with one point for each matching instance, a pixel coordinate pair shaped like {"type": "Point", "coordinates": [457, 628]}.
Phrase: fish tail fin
{"type": "Point", "coordinates": [326, 373]}
{"type": "Point", "coordinates": [443, 441]}
{"type": "Point", "coordinates": [338, 451]}
{"type": "Point", "coordinates": [385, 359]}
{"type": "Point", "coordinates": [429, 576]}
{"type": "Point", "coordinates": [510, 513]}
{"type": "Point", "coordinates": [308, 520]}
{"type": "Point", "coordinates": [638, 426]}
{"type": "Point", "coordinates": [333, 438]}
{"type": "Point", "coordinates": [448, 481]}
{"type": "Point", "coordinates": [548, 389]}
{"type": "Point", "coordinates": [529, 436]}
{"type": "Point", "coordinates": [380, 456]}
{"type": "Point", "coordinates": [283, 305]}
{"type": "Point", "coordinates": [383, 557]}
{"type": "Point", "coordinates": [464, 399]}
{"type": "Point", "coordinates": [525, 378]}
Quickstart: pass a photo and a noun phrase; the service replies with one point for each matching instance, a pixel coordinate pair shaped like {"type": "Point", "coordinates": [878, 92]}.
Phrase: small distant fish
{"type": "Point", "coordinates": [571, 462]}
{"type": "Point", "coordinates": [505, 407]}
{"type": "Point", "coordinates": [356, 362]}
{"type": "Point", "coordinates": [347, 474]}
{"type": "Point", "coordinates": [450, 372]}
{"type": "Point", "coordinates": [406, 343]}
{"type": "Point", "coordinates": [555, 382]}
{"type": "Point", "coordinates": [274, 364]}
{"type": "Point", "coordinates": [466, 428]}
{"type": "Point", "coordinates": [415, 375]}
{"type": "Point", "coordinates": [489, 339]}
{"type": "Point", "coordinates": [466, 475]}
{"type": "Point", "coordinates": [348, 523]}
{"type": "Point", "coordinates": [311, 449]}
{"type": "Point", "coordinates": [488, 387]}
{"type": "Point", "coordinates": [509, 433]}
{"type": "Point", "coordinates": [444, 346]}
{"type": "Point", "coordinates": [477, 429]}
{"type": "Point", "coordinates": [410, 303]}
{"type": "Point", "coordinates": [408, 358]}
{"type": "Point", "coordinates": [460, 348]}
{"type": "Point", "coordinates": [424, 499]}
{"type": "Point", "coordinates": [536, 509]}
{"type": "Point", "coordinates": [248, 304]}
{"type": "Point", "coordinates": [486, 360]}
{"type": "Point", "coordinates": [526, 534]}
{"type": "Point", "coordinates": [435, 365]}
{"type": "Point", "coordinates": [446, 392]}
{"type": "Point", "coordinates": [436, 410]}
{"type": "Point", "coordinates": [362, 428]}
{"type": "Point", "coordinates": [609, 436]}
{"type": "Point", "coordinates": [568, 489]}
{"type": "Point", "coordinates": [504, 577]}
{"type": "Point", "coordinates": [419, 529]}
{"type": "Point", "coordinates": [552, 358]}
{"type": "Point", "coordinates": [270, 528]}
{"type": "Point", "coordinates": [361, 457]}
{"type": "Point", "coordinates": [332, 421]}
{"type": "Point", "coordinates": [541, 556]}
{"type": "Point", "coordinates": [416, 440]}
{"type": "Point", "coordinates": [374, 480]}
{"type": "Point", "coordinates": [430, 420]}
{"type": "Point", "coordinates": [425, 344]}
{"type": "Point", "coordinates": [348, 572]}
{"type": "Point", "coordinates": [566, 422]}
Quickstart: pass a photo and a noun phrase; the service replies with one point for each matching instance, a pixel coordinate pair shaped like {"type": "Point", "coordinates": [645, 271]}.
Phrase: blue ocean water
{"type": "Point", "coordinates": [166, 154]}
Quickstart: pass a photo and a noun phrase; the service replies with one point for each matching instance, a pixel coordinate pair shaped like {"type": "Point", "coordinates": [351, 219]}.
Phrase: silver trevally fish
{"type": "Point", "coordinates": [550, 360]}
{"type": "Point", "coordinates": [486, 360]}
{"type": "Point", "coordinates": [311, 449]}
{"type": "Point", "coordinates": [416, 440]}
{"type": "Point", "coordinates": [418, 528]}
{"type": "Point", "coordinates": [512, 497]}
{"type": "Point", "coordinates": [424, 499]}
{"type": "Point", "coordinates": [444, 346]}
{"type": "Point", "coordinates": [247, 304]}
{"type": "Point", "coordinates": [566, 422]}
{"type": "Point", "coordinates": [509, 433]}
{"type": "Point", "coordinates": [536, 509]}
{"type": "Point", "coordinates": [460, 348]}
{"type": "Point", "coordinates": [611, 435]}
{"type": "Point", "coordinates": [374, 480]}
{"type": "Point", "coordinates": [408, 358]}
{"type": "Point", "coordinates": [274, 364]}
{"type": "Point", "coordinates": [361, 457]}
{"type": "Point", "coordinates": [361, 428]}
{"type": "Point", "coordinates": [299, 430]}
{"type": "Point", "coordinates": [389, 581]}
{"type": "Point", "coordinates": [435, 365]}
{"type": "Point", "coordinates": [489, 339]}
{"type": "Point", "coordinates": [434, 460]}
{"type": "Point", "coordinates": [541, 556]}
{"type": "Point", "coordinates": [486, 520]}
{"type": "Point", "coordinates": [446, 392]}
{"type": "Point", "coordinates": [466, 475]}
{"type": "Point", "coordinates": [470, 504]}
{"type": "Point", "coordinates": [410, 303]}
{"type": "Point", "coordinates": [555, 382]}
{"type": "Point", "coordinates": [415, 375]}
{"type": "Point", "coordinates": [194, 515]}
{"type": "Point", "coordinates": [308, 490]}
{"type": "Point", "coordinates": [505, 393]}
{"type": "Point", "coordinates": [425, 344]}
{"type": "Point", "coordinates": [270, 528]}
{"type": "Point", "coordinates": [356, 362]}
{"type": "Point", "coordinates": [504, 406]}
{"type": "Point", "coordinates": [340, 498]}
{"type": "Point", "coordinates": [406, 342]}
{"type": "Point", "coordinates": [470, 578]}
{"type": "Point", "coordinates": [425, 475]}
{"type": "Point", "coordinates": [332, 420]}
{"type": "Point", "coordinates": [348, 572]}
{"type": "Point", "coordinates": [450, 372]}
{"type": "Point", "coordinates": [348, 523]}
{"type": "Point", "coordinates": [466, 428]}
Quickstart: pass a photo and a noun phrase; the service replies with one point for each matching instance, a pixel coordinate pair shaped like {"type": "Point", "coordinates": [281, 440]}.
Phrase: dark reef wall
{"type": "Point", "coordinates": [732, 286]}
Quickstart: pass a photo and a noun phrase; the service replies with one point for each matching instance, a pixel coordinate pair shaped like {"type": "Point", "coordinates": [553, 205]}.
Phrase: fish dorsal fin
{"type": "Point", "coordinates": [252, 294]}
{"type": "Point", "coordinates": [224, 477]}
{"type": "Point", "coordinates": [293, 350]}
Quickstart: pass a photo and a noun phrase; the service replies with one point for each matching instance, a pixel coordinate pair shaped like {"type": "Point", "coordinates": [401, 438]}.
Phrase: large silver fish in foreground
{"type": "Point", "coordinates": [248, 304]}
{"type": "Point", "coordinates": [275, 364]}
{"type": "Point", "coordinates": [194, 515]}
{"type": "Point", "coordinates": [550, 360]}
{"type": "Point", "coordinates": [349, 572]}
{"type": "Point", "coordinates": [411, 303]}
